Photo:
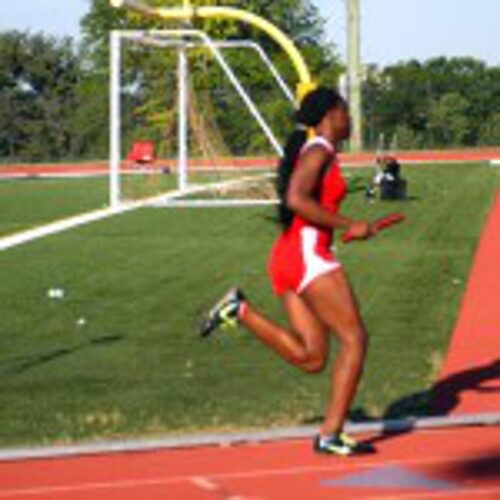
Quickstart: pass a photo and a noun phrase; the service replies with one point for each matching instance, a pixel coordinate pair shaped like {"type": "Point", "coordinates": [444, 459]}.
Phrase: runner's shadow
{"type": "Point", "coordinates": [480, 468]}
{"type": "Point", "coordinates": [440, 399]}
{"type": "Point", "coordinates": [20, 364]}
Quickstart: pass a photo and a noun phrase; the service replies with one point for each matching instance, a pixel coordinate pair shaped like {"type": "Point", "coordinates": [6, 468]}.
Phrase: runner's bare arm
{"type": "Point", "coordinates": [300, 198]}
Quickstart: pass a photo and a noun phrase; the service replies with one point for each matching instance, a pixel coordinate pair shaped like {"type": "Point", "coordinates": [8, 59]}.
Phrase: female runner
{"type": "Point", "coordinates": [304, 272]}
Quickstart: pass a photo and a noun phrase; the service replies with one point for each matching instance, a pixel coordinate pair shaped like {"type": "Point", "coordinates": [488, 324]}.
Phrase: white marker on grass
{"type": "Point", "coordinates": [55, 293]}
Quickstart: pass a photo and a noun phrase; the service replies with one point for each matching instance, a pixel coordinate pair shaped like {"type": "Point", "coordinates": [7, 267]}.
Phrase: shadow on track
{"type": "Point", "coordinates": [437, 401]}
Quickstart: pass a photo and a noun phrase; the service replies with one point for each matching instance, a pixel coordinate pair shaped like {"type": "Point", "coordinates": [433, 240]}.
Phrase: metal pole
{"type": "Point", "coordinates": [236, 44]}
{"type": "Point", "coordinates": [354, 72]}
{"type": "Point", "coordinates": [115, 121]}
{"type": "Point", "coordinates": [149, 39]}
{"type": "Point", "coordinates": [243, 94]}
{"type": "Point", "coordinates": [183, 132]}
{"type": "Point", "coordinates": [276, 74]}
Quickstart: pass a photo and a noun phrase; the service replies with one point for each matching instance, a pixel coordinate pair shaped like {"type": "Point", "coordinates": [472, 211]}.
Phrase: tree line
{"type": "Point", "coordinates": [54, 91]}
{"type": "Point", "coordinates": [440, 103]}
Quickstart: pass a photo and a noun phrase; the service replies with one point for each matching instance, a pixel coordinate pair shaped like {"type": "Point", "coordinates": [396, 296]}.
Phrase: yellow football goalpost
{"type": "Point", "coordinates": [183, 15]}
{"type": "Point", "coordinates": [189, 12]}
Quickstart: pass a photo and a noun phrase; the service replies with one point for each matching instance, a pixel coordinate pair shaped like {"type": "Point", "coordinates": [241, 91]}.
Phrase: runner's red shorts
{"type": "Point", "coordinates": [298, 258]}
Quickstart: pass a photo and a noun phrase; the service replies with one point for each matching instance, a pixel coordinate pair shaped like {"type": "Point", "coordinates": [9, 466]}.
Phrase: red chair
{"type": "Point", "coordinates": [142, 152]}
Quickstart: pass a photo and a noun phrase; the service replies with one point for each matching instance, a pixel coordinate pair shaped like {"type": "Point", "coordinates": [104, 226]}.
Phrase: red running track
{"type": "Point", "coordinates": [348, 159]}
{"type": "Point", "coordinates": [470, 378]}
{"type": "Point", "coordinates": [428, 464]}
{"type": "Point", "coordinates": [459, 463]}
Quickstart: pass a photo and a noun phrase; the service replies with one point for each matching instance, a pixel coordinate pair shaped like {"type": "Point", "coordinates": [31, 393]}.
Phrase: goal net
{"type": "Point", "coordinates": [189, 123]}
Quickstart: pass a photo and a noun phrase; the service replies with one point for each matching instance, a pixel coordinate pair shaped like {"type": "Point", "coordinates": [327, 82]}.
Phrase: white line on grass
{"type": "Point", "coordinates": [59, 226]}
{"type": "Point", "coordinates": [17, 239]}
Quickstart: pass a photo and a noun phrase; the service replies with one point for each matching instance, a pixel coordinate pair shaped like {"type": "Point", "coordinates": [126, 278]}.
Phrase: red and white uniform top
{"type": "Point", "coordinates": [332, 191]}
{"type": "Point", "coordinates": [302, 253]}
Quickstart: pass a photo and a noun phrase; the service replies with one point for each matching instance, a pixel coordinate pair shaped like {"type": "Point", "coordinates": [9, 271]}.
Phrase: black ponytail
{"type": "Point", "coordinates": [312, 110]}
{"type": "Point", "coordinates": [292, 150]}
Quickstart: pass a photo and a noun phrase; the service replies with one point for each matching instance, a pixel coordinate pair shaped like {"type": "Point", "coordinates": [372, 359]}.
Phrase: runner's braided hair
{"type": "Point", "coordinates": [313, 109]}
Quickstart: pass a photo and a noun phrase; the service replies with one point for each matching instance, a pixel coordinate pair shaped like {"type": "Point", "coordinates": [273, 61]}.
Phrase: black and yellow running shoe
{"type": "Point", "coordinates": [341, 444]}
{"type": "Point", "coordinates": [224, 314]}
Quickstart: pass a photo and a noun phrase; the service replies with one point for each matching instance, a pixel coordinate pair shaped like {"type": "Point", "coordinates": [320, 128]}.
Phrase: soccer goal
{"type": "Point", "coordinates": [186, 127]}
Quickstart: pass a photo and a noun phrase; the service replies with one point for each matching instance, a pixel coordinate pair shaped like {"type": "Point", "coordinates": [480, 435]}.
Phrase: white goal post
{"type": "Point", "coordinates": [182, 40]}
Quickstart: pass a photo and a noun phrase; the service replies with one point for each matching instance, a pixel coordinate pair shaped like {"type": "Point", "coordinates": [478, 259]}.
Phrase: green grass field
{"type": "Point", "coordinates": [31, 202]}
{"type": "Point", "coordinates": [141, 281]}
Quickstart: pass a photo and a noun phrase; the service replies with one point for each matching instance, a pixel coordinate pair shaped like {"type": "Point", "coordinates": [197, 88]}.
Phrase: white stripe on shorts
{"type": "Point", "coordinates": [315, 265]}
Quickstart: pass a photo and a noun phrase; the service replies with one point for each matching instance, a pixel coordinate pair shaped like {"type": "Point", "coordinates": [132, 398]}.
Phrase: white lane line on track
{"type": "Point", "coordinates": [204, 483]}
{"type": "Point", "coordinates": [212, 487]}
{"type": "Point", "coordinates": [345, 466]}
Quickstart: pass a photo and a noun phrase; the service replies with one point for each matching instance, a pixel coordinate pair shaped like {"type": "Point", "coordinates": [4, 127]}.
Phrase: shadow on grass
{"type": "Point", "coordinates": [408, 199]}
{"type": "Point", "coordinates": [21, 364]}
{"type": "Point", "coordinates": [438, 401]}
{"type": "Point", "coordinates": [442, 398]}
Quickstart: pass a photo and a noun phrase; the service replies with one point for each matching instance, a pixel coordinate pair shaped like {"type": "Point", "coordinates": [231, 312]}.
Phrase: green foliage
{"type": "Point", "coordinates": [153, 107]}
{"type": "Point", "coordinates": [448, 120]}
{"type": "Point", "coordinates": [406, 138]}
{"type": "Point", "coordinates": [490, 131]}
{"type": "Point", "coordinates": [439, 103]}
{"type": "Point", "coordinates": [54, 95]}
{"type": "Point", "coordinates": [38, 80]}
